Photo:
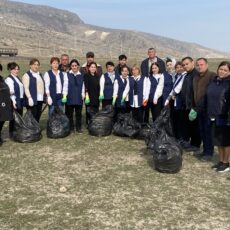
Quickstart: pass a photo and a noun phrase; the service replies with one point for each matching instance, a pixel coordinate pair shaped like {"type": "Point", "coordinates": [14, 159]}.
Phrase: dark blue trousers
{"type": "Point", "coordinates": [205, 127]}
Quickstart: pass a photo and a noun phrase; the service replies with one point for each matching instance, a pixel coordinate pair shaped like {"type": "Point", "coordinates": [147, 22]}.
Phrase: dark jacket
{"type": "Point", "coordinates": [200, 84]}
{"type": "Point", "coordinates": [92, 87]}
{"type": "Point", "coordinates": [187, 90]}
{"type": "Point", "coordinates": [85, 69]}
{"type": "Point", "coordinates": [118, 70]}
{"type": "Point", "coordinates": [6, 113]}
{"type": "Point", "coordinates": [145, 66]}
{"type": "Point", "coordinates": [218, 99]}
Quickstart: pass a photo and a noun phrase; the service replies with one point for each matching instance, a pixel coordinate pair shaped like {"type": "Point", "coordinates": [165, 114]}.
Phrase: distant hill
{"type": "Point", "coordinates": [45, 31]}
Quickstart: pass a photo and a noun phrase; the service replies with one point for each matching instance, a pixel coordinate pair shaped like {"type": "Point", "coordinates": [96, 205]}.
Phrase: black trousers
{"type": "Point", "coordinates": [106, 102]}
{"type": "Point", "coordinates": [138, 114]}
{"type": "Point", "coordinates": [12, 122]}
{"type": "Point", "coordinates": [190, 129]}
{"type": "Point", "coordinates": [91, 110]}
{"type": "Point", "coordinates": [69, 111]}
{"type": "Point", "coordinates": [156, 109]}
{"type": "Point", "coordinates": [36, 110]}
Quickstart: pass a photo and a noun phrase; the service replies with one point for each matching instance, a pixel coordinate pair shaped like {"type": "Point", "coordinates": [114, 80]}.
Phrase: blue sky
{"type": "Point", "coordinates": [205, 22]}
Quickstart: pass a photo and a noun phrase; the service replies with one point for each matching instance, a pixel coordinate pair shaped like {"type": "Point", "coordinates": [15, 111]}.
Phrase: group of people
{"type": "Point", "coordinates": [199, 99]}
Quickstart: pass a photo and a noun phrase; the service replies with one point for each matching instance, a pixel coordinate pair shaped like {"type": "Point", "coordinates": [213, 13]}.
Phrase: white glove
{"type": "Point", "coordinates": [154, 101]}
{"type": "Point", "coordinates": [31, 102]}
{"type": "Point", "coordinates": [166, 102]}
{"type": "Point", "coordinates": [49, 100]}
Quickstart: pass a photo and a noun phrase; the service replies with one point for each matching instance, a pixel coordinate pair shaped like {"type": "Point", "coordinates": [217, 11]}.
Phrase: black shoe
{"type": "Point", "coordinates": [206, 158]}
{"type": "Point", "coordinates": [223, 168]}
{"type": "Point", "coordinates": [217, 165]}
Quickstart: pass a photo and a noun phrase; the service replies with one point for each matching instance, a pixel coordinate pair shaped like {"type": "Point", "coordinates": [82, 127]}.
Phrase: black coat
{"type": "Point", "coordinates": [187, 94]}
{"type": "Point", "coordinates": [145, 66]}
{"type": "Point", "coordinates": [6, 112]}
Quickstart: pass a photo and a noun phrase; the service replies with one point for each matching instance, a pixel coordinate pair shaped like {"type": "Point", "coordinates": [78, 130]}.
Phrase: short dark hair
{"type": "Point", "coordinates": [121, 57]}
{"type": "Point", "coordinates": [1, 67]}
{"type": "Point", "coordinates": [74, 61]}
{"type": "Point", "coordinates": [189, 58]}
{"type": "Point", "coordinates": [178, 63]}
{"type": "Point", "coordinates": [204, 59]}
{"type": "Point", "coordinates": [223, 63]}
{"type": "Point", "coordinates": [90, 54]}
{"type": "Point", "coordinates": [109, 63]}
{"type": "Point", "coordinates": [168, 60]}
{"type": "Point", "coordinates": [154, 63]}
{"type": "Point", "coordinates": [12, 65]}
{"type": "Point", "coordinates": [33, 60]}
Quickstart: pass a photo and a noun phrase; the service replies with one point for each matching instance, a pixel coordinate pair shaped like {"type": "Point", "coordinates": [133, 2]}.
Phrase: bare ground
{"type": "Point", "coordinates": [85, 182]}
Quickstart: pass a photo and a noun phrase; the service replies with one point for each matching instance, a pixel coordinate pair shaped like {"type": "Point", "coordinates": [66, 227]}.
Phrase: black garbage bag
{"type": "Point", "coordinates": [126, 126]}
{"type": "Point", "coordinates": [167, 154]}
{"type": "Point", "coordinates": [101, 124]}
{"type": "Point", "coordinates": [144, 131]}
{"type": "Point", "coordinates": [27, 129]}
{"type": "Point", "coordinates": [58, 125]}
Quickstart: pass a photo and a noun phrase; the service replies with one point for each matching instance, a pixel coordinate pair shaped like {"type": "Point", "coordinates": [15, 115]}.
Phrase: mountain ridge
{"type": "Point", "coordinates": [38, 30]}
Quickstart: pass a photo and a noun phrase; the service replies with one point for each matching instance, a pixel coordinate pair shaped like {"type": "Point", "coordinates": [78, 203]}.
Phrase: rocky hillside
{"type": "Point", "coordinates": [45, 31]}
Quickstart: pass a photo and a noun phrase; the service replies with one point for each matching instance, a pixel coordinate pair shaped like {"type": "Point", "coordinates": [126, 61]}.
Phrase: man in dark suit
{"type": "Point", "coordinates": [152, 58]}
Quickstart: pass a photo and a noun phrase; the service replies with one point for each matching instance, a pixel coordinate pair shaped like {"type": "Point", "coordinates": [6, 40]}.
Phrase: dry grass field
{"type": "Point", "coordinates": [89, 183]}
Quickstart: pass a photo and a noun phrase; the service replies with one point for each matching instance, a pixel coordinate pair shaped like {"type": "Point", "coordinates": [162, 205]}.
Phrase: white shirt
{"type": "Point", "coordinates": [146, 91]}
{"type": "Point", "coordinates": [58, 84]}
{"type": "Point", "coordinates": [160, 87]}
{"type": "Point", "coordinates": [102, 81]}
{"type": "Point", "coordinates": [10, 83]}
{"type": "Point", "coordinates": [116, 87]}
{"type": "Point", "coordinates": [66, 84]}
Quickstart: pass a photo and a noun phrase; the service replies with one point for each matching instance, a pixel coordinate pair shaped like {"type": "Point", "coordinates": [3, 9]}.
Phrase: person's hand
{"type": "Point", "coordinates": [101, 97]}
{"type": "Point", "coordinates": [155, 102]}
{"type": "Point", "coordinates": [87, 100]}
{"type": "Point", "coordinates": [49, 100]}
{"type": "Point", "coordinates": [123, 100]}
{"type": "Point", "coordinates": [145, 102]}
{"type": "Point", "coordinates": [64, 99]}
{"type": "Point", "coordinates": [14, 104]}
{"type": "Point", "coordinates": [114, 101]}
{"type": "Point", "coordinates": [166, 102]}
{"type": "Point", "coordinates": [192, 115]}
{"type": "Point", "coordinates": [31, 102]}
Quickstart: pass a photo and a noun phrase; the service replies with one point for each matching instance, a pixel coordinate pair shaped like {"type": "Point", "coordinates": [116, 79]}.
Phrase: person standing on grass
{"type": "Point", "coordinates": [218, 109]}
{"type": "Point", "coordinates": [191, 137]}
{"type": "Point", "coordinates": [34, 89]}
{"type": "Point", "coordinates": [156, 79]}
{"type": "Point", "coordinates": [54, 79]}
{"type": "Point", "coordinates": [6, 113]}
{"type": "Point", "coordinates": [175, 99]}
{"type": "Point", "coordinates": [200, 84]}
{"type": "Point", "coordinates": [138, 93]}
{"type": "Point", "coordinates": [106, 85]}
{"type": "Point", "coordinates": [16, 91]}
{"type": "Point", "coordinates": [92, 91]}
{"type": "Point", "coordinates": [73, 95]}
{"type": "Point", "coordinates": [120, 92]}
{"type": "Point", "coordinates": [64, 65]}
